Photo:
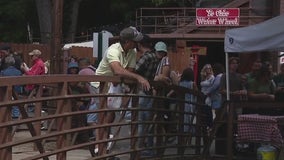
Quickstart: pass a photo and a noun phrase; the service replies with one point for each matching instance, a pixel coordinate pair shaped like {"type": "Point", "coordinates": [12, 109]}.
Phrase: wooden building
{"type": "Point", "coordinates": [177, 26]}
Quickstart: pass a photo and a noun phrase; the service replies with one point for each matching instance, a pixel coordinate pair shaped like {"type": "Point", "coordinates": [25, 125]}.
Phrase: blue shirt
{"type": "Point", "coordinates": [12, 71]}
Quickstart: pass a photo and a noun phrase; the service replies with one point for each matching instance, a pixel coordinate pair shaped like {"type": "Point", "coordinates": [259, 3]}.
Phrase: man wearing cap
{"type": "Point", "coordinates": [163, 69]}
{"type": "Point", "coordinates": [38, 67]}
{"type": "Point", "coordinates": [146, 66]}
{"type": "Point", "coordinates": [120, 59]}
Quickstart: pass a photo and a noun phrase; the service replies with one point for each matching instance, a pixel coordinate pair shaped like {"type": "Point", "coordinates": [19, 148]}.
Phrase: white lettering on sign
{"type": "Point", "coordinates": [210, 12]}
{"type": "Point", "coordinates": [217, 16]}
{"type": "Point", "coordinates": [222, 13]}
{"type": "Point", "coordinates": [281, 58]}
{"type": "Point", "coordinates": [206, 21]}
{"type": "Point", "coordinates": [225, 21]}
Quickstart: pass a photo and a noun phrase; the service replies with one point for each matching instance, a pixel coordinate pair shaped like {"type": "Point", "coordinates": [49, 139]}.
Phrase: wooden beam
{"type": "Point", "coordinates": [189, 36]}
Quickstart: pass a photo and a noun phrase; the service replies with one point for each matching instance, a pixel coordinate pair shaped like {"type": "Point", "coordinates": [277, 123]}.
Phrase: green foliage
{"type": "Point", "coordinates": [173, 3]}
{"type": "Point", "coordinates": [16, 14]}
{"type": "Point", "coordinates": [160, 2]}
{"type": "Point", "coordinates": [14, 17]}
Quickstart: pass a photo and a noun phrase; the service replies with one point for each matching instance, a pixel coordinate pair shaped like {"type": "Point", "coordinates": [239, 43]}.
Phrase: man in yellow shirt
{"type": "Point", "coordinates": [120, 59]}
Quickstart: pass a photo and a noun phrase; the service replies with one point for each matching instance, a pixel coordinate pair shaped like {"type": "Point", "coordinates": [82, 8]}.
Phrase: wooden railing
{"type": "Point", "coordinates": [52, 94]}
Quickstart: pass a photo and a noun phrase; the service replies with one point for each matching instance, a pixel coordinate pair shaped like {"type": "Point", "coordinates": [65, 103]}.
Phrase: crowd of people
{"type": "Point", "coordinates": [121, 59]}
{"type": "Point", "coordinates": [11, 64]}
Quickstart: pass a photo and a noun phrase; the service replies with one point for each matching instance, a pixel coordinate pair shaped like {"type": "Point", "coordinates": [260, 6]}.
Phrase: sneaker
{"type": "Point", "coordinates": [96, 150]}
{"type": "Point", "coordinates": [110, 143]}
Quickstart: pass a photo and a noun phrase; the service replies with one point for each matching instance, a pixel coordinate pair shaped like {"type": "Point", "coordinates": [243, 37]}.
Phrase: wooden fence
{"type": "Point", "coordinates": [53, 94]}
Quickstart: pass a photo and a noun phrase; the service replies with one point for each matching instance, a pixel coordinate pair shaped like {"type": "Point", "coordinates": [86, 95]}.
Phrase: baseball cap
{"type": "Point", "coordinates": [131, 33]}
{"type": "Point", "coordinates": [161, 46]}
{"type": "Point", "coordinates": [73, 65]}
{"type": "Point", "coordinates": [35, 52]}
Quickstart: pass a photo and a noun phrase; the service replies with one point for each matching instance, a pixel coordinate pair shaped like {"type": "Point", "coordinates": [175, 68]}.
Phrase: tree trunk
{"type": "Point", "coordinates": [44, 15]}
{"type": "Point", "coordinates": [74, 19]}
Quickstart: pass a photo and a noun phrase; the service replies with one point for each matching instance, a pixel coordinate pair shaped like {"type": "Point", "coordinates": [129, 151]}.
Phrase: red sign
{"type": "Point", "coordinates": [217, 16]}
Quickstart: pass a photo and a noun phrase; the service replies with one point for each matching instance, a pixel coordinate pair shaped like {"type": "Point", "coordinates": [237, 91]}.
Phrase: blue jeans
{"type": "Point", "coordinates": [94, 105]}
{"type": "Point", "coordinates": [92, 117]}
{"type": "Point", "coordinates": [144, 103]}
{"type": "Point", "coordinates": [15, 112]}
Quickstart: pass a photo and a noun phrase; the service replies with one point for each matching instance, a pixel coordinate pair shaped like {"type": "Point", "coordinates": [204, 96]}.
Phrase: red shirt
{"type": "Point", "coordinates": [38, 68]}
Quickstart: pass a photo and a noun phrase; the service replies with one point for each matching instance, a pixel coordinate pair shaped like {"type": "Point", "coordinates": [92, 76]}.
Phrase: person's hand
{"type": "Point", "coordinates": [270, 97]}
{"type": "Point", "coordinates": [24, 67]}
{"type": "Point", "coordinates": [165, 79]}
{"type": "Point", "coordinates": [243, 92]}
{"type": "Point", "coordinates": [175, 76]}
{"type": "Point", "coordinates": [144, 83]}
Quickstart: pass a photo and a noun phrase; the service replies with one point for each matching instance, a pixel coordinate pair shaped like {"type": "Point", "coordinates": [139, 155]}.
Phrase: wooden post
{"type": "Point", "coordinates": [57, 14]}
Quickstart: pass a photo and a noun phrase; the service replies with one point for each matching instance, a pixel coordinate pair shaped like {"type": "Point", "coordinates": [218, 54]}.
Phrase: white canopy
{"type": "Point", "coordinates": [81, 44]}
{"type": "Point", "coordinates": [264, 36]}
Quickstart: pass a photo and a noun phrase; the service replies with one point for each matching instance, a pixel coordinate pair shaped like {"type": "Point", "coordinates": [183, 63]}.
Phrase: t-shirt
{"type": "Point", "coordinates": [257, 87]}
{"type": "Point", "coordinates": [164, 62]}
{"type": "Point", "coordinates": [146, 66]}
{"type": "Point", "coordinates": [12, 71]}
{"type": "Point", "coordinates": [38, 68]}
{"type": "Point", "coordinates": [90, 70]}
{"type": "Point", "coordinates": [115, 53]}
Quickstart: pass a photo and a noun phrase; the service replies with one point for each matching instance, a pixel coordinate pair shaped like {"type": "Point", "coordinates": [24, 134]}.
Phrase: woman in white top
{"type": "Point", "coordinates": [207, 79]}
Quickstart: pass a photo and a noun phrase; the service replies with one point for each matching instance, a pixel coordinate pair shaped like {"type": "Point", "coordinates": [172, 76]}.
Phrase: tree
{"type": "Point", "coordinates": [44, 16]}
{"type": "Point", "coordinates": [74, 19]}
{"type": "Point", "coordinates": [15, 16]}
{"type": "Point", "coordinates": [109, 15]}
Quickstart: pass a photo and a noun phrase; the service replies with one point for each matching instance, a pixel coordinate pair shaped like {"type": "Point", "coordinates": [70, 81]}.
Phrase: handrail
{"type": "Point", "coordinates": [60, 99]}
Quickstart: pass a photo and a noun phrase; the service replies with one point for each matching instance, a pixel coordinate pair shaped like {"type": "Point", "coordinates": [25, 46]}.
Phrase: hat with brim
{"type": "Point", "coordinates": [131, 33]}
{"type": "Point", "coordinates": [35, 52]}
{"type": "Point", "coordinates": [73, 65]}
{"type": "Point", "coordinates": [161, 47]}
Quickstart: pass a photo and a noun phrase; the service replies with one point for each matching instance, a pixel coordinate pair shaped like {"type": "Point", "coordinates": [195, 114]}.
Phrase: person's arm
{"type": "Point", "coordinates": [130, 69]}
{"type": "Point", "coordinates": [222, 87]}
{"type": "Point", "coordinates": [163, 74]}
{"type": "Point", "coordinates": [252, 95]}
{"type": "Point", "coordinates": [120, 71]}
{"type": "Point", "coordinates": [195, 86]}
{"type": "Point", "coordinates": [140, 65]}
{"type": "Point", "coordinates": [260, 96]}
{"type": "Point", "coordinates": [36, 69]}
{"type": "Point", "coordinates": [215, 85]}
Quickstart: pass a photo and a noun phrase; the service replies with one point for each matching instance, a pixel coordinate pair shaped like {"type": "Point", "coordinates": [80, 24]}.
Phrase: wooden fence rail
{"type": "Point", "coordinates": [52, 94]}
